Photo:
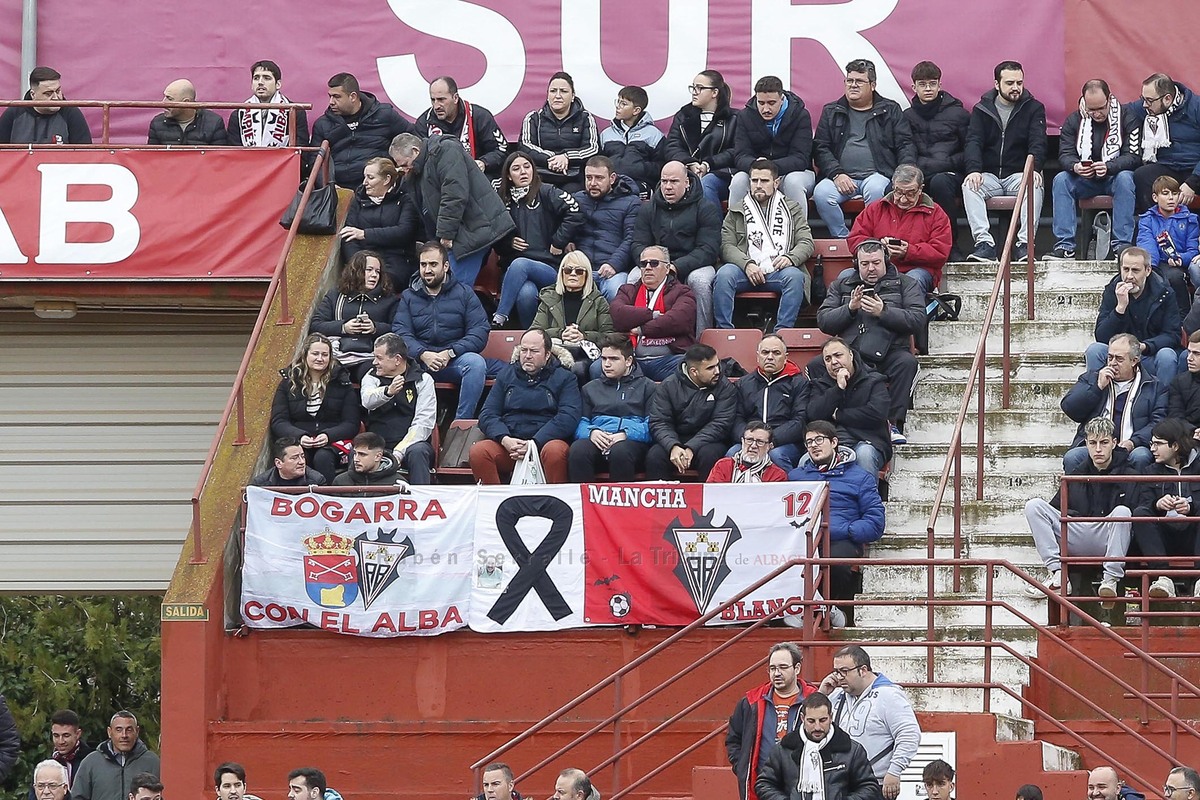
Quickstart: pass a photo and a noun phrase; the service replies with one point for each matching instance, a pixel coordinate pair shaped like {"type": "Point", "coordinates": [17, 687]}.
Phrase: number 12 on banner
{"type": "Point", "coordinates": [797, 504]}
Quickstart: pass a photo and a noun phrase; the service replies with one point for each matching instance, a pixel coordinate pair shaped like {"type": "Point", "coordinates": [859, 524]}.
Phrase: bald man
{"type": "Point", "coordinates": [191, 126]}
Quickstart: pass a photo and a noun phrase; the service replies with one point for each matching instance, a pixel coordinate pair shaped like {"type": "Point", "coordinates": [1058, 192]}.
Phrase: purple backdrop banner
{"type": "Point", "coordinates": [503, 51]}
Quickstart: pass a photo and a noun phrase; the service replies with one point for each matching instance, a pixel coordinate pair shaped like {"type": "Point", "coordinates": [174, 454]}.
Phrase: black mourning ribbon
{"type": "Point", "coordinates": [532, 566]}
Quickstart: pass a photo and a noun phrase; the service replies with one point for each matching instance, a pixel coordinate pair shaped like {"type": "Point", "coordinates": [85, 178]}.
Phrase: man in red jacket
{"type": "Point", "coordinates": [765, 715]}
{"type": "Point", "coordinates": [915, 229]}
{"type": "Point", "coordinates": [750, 464]}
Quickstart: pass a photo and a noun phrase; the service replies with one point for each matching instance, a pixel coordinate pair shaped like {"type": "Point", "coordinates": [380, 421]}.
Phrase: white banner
{"type": "Point", "coordinates": [533, 535]}
{"type": "Point", "coordinates": [382, 565]}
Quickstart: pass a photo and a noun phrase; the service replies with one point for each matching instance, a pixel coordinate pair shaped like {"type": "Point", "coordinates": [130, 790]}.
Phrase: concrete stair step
{"type": "Point", "coordinates": [1013, 729]}
{"type": "Point", "coordinates": [963, 277]}
{"type": "Point", "coordinates": [1037, 380]}
{"type": "Point", "coordinates": [1014, 546]}
{"type": "Point", "coordinates": [1011, 457]}
{"type": "Point", "coordinates": [1014, 425]}
{"type": "Point", "coordinates": [959, 614]}
{"type": "Point", "coordinates": [1023, 639]}
{"type": "Point", "coordinates": [878, 577]}
{"type": "Point", "coordinates": [1050, 305]}
{"type": "Point", "coordinates": [978, 515]}
{"type": "Point", "coordinates": [1064, 336]}
{"type": "Point", "coordinates": [958, 699]}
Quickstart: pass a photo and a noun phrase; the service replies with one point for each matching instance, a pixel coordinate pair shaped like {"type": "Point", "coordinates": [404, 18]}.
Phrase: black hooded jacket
{"type": "Point", "coordinates": [713, 146]}
{"type": "Point", "coordinates": [1002, 152]}
{"type": "Point", "coordinates": [791, 149]}
{"type": "Point", "coordinates": [939, 131]}
{"type": "Point", "coordinates": [888, 136]}
{"type": "Point", "coordinates": [690, 229]}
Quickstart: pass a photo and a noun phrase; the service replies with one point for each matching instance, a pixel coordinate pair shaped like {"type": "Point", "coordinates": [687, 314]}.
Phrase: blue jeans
{"type": "Point", "coordinates": [523, 279]}
{"type": "Point", "coordinates": [608, 286]}
{"type": "Point", "coordinates": [469, 371]}
{"type": "Point", "coordinates": [715, 187]}
{"type": "Point", "coordinates": [1076, 457]}
{"type": "Point", "coordinates": [828, 200]}
{"type": "Point", "coordinates": [1162, 365]}
{"type": "Point", "coordinates": [659, 368]}
{"type": "Point", "coordinates": [923, 277]}
{"type": "Point", "coordinates": [466, 269]}
{"type": "Point", "coordinates": [787, 282]}
{"type": "Point", "coordinates": [1070, 188]}
{"type": "Point", "coordinates": [786, 456]}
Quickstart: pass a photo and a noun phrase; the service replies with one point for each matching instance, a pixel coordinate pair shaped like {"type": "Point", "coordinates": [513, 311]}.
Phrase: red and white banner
{"type": "Point", "coordinates": [532, 558]}
{"type": "Point", "coordinates": [143, 214]}
{"type": "Point", "coordinates": [384, 565]}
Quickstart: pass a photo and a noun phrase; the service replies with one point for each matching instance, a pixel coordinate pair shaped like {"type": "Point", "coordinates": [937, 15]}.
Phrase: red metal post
{"type": "Point", "coordinates": [104, 116]}
{"type": "Point", "coordinates": [241, 439]}
{"type": "Point", "coordinates": [197, 543]}
{"type": "Point", "coordinates": [990, 596]}
{"type": "Point", "coordinates": [1028, 180]}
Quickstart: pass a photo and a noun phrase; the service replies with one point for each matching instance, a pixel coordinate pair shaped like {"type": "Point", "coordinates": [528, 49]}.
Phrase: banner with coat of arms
{"type": "Point", "coordinates": [523, 558]}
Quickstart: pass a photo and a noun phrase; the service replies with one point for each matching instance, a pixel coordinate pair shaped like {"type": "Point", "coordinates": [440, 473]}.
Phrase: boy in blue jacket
{"type": "Point", "coordinates": [1171, 234]}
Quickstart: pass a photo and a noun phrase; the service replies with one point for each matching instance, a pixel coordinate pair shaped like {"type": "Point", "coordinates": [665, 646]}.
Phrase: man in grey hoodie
{"type": "Point", "coordinates": [108, 772]}
{"type": "Point", "coordinates": [876, 713]}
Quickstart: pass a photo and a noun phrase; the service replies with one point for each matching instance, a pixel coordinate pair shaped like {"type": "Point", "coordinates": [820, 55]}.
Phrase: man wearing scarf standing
{"type": "Point", "coordinates": [1170, 139]}
{"type": "Point", "coordinates": [473, 126]}
{"type": "Point", "coordinates": [819, 761]}
{"type": "Point", "coordinates": [1101, 146]}
{"type": "Point", "coordinates": [765, 715]}
{"type": "Point", "coordinates": [267, 127]}
{"type": "Point", "coordinates": [765, 241]}
{"type": "Point", "coordinates": [1123, 392]}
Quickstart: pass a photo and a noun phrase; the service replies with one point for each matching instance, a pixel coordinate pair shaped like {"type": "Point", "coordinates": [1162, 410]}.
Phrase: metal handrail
{"type": "Point", "coordinates": [977, 377]}
{"type": "Point", "coordinates": [932, 645]}
{"type": "Point", "coordinates": [106, 107]}
{"type": "Point", "coordinates": [236, 402]}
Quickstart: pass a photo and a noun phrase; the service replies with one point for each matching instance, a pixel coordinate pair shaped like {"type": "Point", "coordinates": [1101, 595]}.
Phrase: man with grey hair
{"type": "Point", "coordinates": [108, 772]}
{"type": "Point", "coordinates": [1182, 783]}
{"type": "Point", "coordinates": [765, 715]}
{"type": "Point", "coordinates": [401, 404]}
{"type": "Point", "coordinates": [861, 139]}
{"type": "Point", "coordinates": [1139, 300]}
{"type": "Point", "coordinates": [1125, 392]}
{"type": "Point", "coordinates": [1091, 499]}
{"type": "Point", "coordinates": [457, 202]}
{"type": "Point", "coordinates": [50, 780]}
{"type": "Point", "coordinates": [915, 230]}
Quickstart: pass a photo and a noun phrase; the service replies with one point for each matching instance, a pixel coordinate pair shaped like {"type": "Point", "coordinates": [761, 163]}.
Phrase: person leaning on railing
{"type": "Point", "coordinates": [186, 126]}
{"type": "Point", "coordinates": [44, 125]}
{"type": "Point", "coordinates": [1175, 455]}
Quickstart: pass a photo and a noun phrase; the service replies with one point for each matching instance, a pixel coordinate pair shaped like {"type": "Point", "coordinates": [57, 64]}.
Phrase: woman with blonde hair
{"type": "Point", "coordinates": [574, 312]}
{"type": "Point", "coordinates": [316, 403]}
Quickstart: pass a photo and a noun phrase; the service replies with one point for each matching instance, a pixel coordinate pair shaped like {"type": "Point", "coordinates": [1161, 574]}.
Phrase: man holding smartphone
{"type": "Point", "coordinates": [1101, 146]}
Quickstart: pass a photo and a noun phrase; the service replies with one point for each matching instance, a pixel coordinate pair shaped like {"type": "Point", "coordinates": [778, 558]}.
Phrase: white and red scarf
{"type": "Point", "coordinates": [655, 301]}
{"type": "Point", "coordinates": [467, 134]}
{"type": "Point", "coordinates": [265, 127]}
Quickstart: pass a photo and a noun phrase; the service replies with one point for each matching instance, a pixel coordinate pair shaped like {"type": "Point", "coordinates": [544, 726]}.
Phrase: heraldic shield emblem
{"type": "Point", "coordinates": [702, 548]}
{"type": "Point", "coordinates": [330, 574]}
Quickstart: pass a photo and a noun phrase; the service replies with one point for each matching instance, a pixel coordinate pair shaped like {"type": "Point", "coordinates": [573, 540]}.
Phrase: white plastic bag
{"type": "Point", "coordinates": [529, 469]}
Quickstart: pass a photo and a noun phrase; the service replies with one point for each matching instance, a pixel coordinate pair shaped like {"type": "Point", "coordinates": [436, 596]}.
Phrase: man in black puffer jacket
{"type": "Point", "coordinates": [358, 126]}
{"type": "Point", "coordinates": [819, 760]}
{"type": "Point", "coordinates": [774, 125]}
{"type": "Point", "coordinates": [678, 218]}
{"type": "Point", "coordinates": [187, 126]}
{"type": "Point", "coordinates": [853, 397]}
{"type": "Point", "coordinates": [692, 418]}
{"type": "Point", "coordinates": [939, 129]}
{"type": "Point", "coordinates": [1008, 125]}
{"type": "Point", "coordinates": [861, 139]}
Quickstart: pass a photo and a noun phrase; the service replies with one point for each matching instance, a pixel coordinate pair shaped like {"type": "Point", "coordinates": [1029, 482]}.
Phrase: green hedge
{"type": "Point", "coordinates": [94, 655]}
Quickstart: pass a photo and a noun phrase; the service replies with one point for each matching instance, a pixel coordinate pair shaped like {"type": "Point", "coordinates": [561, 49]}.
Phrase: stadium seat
{"type": "Point", "coordinates": [447, 463]}
{"type": "Point", "coordinates": [834, 256]}
{"type": "Point", "coordinates": [500, 345]}
{"type": "Point", "coordinates": [487, 284]}
{"type": "Point", "coordinates": [740, 344]}
{"type": "Point", "coordinates": [803, 344]}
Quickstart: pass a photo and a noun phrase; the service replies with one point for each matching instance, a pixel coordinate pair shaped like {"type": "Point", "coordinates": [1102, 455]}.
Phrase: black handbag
{"type": "Point", "coordinates": [320, 215]}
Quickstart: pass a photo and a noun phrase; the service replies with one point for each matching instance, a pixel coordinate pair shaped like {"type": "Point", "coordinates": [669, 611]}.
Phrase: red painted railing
{"type": "Point", "coordinates": [977, 377]}
{"type": "Point", "coordinates": [235, 406]}
{"type": "Point", "coordinates": [989, 643]}
{"type": "Point", "coordinates": [107, 106]}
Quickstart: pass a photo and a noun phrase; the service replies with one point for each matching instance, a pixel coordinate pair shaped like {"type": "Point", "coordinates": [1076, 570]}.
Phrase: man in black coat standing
{"type": "Point", "coordinates": [457, 202]}
{"type": "Point", "coordinates": [819, 761]}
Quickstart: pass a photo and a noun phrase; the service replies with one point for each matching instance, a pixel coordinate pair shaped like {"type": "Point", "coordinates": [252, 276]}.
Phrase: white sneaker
{"type": "Point", "coordinates": [1108, 589]}
{"type": "Point", "coordinates": [1162, 587]}
{"type": "Point", "coordinates": [1052, 584]}
{"type": "Point", "coordinates": [1196, 590]}
{"type": "Point", "coordinates": [837, 617]}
